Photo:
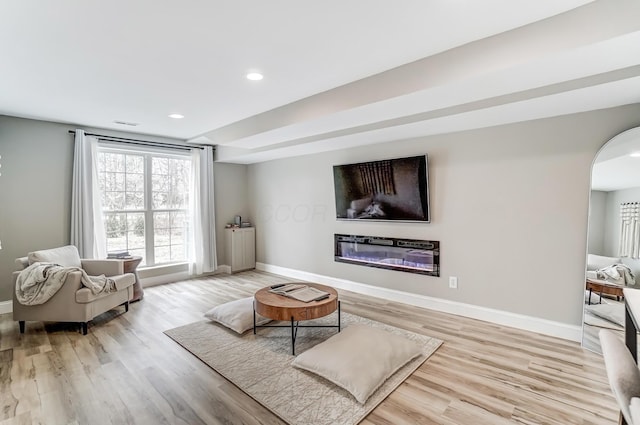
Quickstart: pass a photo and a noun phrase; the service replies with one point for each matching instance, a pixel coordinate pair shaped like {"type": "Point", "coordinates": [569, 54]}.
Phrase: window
{"type": "Point", "coordinates": [145, 200]}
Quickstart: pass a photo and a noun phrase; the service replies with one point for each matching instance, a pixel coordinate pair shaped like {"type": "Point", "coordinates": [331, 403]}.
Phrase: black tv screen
{"type": "Point", "coordinates": [392, 189]}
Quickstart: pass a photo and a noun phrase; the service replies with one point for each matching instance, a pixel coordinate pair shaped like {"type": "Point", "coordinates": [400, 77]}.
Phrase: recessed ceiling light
{"type": "Point", "coordinates": [254, 76]}
{"type": "Point", "coordinates": [176, 116]}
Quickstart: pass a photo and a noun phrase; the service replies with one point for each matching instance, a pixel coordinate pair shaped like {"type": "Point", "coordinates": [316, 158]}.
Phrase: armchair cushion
{"type": "Point", "coordinates": [66, 256]}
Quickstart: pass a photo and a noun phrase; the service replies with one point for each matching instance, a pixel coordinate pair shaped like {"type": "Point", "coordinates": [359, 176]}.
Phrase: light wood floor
{"type": "Point", "coordinates": [127, 371]}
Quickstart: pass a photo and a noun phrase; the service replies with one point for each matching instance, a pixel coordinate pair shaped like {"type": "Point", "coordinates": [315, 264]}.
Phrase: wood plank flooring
{"type": "Point", "coordinates": [126, 371]}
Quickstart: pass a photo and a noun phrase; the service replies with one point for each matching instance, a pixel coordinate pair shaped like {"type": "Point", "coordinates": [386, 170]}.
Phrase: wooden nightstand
{"type": "Point", "coordinates": [131, 266]}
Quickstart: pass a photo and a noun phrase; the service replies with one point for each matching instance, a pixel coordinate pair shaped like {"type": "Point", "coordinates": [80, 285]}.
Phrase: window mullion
{"type": "Point", "coordinates": [148, 211]}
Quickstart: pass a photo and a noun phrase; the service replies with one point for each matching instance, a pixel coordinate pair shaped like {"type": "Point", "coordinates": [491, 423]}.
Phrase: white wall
{"type": "Point", "coordinates": [612, 224]}
{"type": "Point", "coordinates": [597, 209]}
{"type": "Point", "coordinates": [509, 206]}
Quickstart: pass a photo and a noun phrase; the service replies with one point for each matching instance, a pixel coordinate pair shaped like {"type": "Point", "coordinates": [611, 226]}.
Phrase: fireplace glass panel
{"type": "Point", "coordinates": [408, 255]}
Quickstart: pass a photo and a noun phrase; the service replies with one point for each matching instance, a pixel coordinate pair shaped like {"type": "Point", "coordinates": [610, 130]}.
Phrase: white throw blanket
{"type": "Point", "coordinates": [40, 281]}
{"type": "Point", "coordinates": [618, 273]}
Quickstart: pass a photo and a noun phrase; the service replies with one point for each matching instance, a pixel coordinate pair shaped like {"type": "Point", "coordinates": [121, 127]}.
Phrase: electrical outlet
{"type": "Point", "coordinates": [453, 282]}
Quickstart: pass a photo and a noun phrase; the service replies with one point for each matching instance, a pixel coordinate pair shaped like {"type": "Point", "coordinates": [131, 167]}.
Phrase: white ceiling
{"type": "Point", "coordinates": [337, 73]}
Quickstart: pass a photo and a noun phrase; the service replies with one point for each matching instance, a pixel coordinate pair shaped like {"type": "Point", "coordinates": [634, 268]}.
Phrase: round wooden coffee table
{"type": "Point", "coordinates": [280, 307]}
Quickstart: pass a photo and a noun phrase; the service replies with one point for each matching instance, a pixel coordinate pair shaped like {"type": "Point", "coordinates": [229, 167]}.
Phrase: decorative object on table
{"type": "Point", "coordinates": [300, 292]}
{"type": "Point", "coordinates": [260, 365]}
{"type": "Point", "coordinates": [118, 255]}
{"type": "Point", "coordinates": [237, 220]}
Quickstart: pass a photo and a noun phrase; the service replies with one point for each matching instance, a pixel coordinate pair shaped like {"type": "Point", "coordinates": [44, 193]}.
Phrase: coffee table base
{"type": "Point", "coordinates": [294, 327]}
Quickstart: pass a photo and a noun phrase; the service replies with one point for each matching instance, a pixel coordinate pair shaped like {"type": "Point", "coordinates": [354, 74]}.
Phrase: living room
{"type": "Point", "coordinates": [509, 205]}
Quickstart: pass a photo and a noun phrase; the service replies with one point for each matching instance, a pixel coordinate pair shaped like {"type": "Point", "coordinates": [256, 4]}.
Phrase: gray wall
{"type": "Point", "coordinates": [612, 224]}
{"type": "Point", "coordinates": [231, 200]}
{"type": "Point", "coordinates": [597, 209]}
{"type": "Point", "coordinates": [509, 205]}
{"type": "Point", "coordinates": [35, 189]}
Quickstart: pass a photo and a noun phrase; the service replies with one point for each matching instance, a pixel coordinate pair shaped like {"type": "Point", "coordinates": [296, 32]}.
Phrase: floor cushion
{"type": "Point", "coordinates": [236, 315]}
{"type": "Point", "coordinates": [359, 359]}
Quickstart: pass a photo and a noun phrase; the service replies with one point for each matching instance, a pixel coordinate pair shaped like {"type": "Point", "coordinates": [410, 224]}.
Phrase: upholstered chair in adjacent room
{"type": "Point", "coordinates": [624, 376]}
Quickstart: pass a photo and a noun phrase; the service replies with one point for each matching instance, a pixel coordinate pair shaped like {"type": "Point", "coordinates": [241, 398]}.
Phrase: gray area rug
{"type": "Point", "coordinates": [606, 315]}
{"type": "Point", "coordinates": [260, 365]}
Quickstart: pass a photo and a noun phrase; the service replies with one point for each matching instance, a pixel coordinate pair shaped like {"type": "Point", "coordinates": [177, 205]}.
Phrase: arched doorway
{"type": "Point", "coordinates": [613, 244]}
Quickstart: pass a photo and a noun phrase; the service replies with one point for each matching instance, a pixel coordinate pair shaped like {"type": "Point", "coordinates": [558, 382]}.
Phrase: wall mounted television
{"type": "Point", "coordinates": [387, 190]}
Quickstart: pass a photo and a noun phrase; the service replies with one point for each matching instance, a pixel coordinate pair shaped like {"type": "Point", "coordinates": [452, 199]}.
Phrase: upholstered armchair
{"type": "Point", "coordinates": [73, 302]}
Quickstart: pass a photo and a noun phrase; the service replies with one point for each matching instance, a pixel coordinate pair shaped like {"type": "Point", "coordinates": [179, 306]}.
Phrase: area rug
{"type": "Point", "coordinates": [605, 315]}
{"type": "Point", "coordinates": [260, 365]}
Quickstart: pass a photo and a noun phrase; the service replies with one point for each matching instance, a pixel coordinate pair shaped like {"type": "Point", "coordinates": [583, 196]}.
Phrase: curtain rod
{"type": "Point", "coordinates": [140, 142]}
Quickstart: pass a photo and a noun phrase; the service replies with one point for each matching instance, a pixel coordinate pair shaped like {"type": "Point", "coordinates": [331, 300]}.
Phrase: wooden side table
{"type": "Point", "coordinates": [131, 266]}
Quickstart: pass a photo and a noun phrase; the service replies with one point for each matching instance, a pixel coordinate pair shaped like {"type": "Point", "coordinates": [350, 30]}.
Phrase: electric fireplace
{"type": "Point", "coordinates": [407, 255]}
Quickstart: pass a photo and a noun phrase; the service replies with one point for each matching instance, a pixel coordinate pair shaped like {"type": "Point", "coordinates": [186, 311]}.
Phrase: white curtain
{"type": "Point", "coordinates": [203, 236]}
{"type": "Point", "coordinates": [87, 225]}
{"type": "Point", "coordinates": [630, 230]}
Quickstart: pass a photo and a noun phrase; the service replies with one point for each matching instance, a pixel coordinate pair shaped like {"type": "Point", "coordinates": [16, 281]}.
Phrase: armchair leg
{"type": "Point", "coordinates": [83, 326]}
{"type": "Point", "coordinates": [21, 324]}
{"type": "Point", "coordinates": [126, 306]}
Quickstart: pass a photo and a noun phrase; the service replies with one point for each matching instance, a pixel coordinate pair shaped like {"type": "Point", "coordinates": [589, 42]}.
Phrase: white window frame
{"type": "Point", "coordinates": [149, 231]}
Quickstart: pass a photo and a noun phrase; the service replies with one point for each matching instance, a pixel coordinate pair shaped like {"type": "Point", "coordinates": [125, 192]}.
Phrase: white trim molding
{"type": "Point", "coordinates": [505, 318]}
{"type": "Point", "coordinates": [6, 307]}
{"type": "Point", "coordinates": [178, 276]}
{"type": "Point", "coordinates": [165, 278]}
{"type": "Point", "coordinates": [223, 268]}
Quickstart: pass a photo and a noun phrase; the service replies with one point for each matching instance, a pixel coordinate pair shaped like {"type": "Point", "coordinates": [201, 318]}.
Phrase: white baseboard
{"type": "Point", "coordinates": [505, 318]}
{"type": "Point", "coordinates": [6, 307]}
{"type": "Point", "coordinates": [165, 278]}
{"type": "Point", "coordinates": [223, 269]}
